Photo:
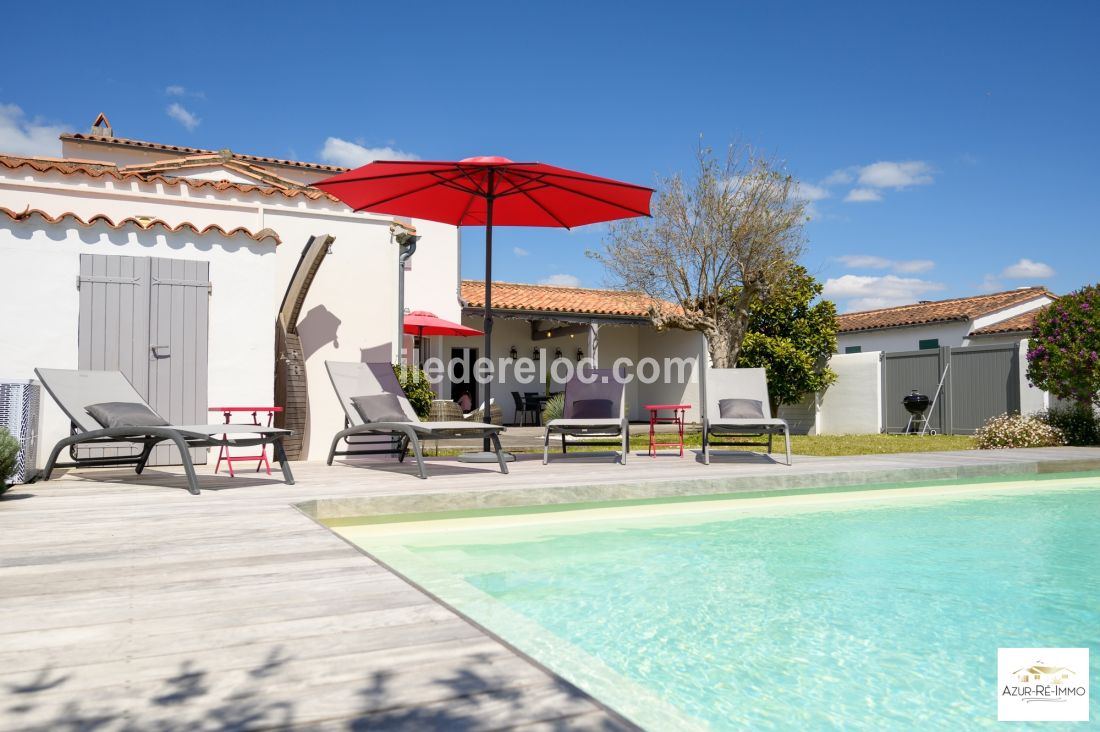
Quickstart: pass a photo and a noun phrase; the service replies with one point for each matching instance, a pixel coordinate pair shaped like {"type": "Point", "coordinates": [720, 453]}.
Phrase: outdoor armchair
{"type": "Point", "coordinates": [361, 382]}
{"type": "Point", "coordinates": [75, 391]}
{"type": "Point", "coordinates": [742, 394]}
{"type": "Point", "coordinates": [596, 409]}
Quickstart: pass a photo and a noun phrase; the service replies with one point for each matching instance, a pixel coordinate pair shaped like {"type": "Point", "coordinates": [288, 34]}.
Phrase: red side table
{"type": "Point", "coordinates": [223, 453]}
{"type": "Point", "coordinates": [677, 418]}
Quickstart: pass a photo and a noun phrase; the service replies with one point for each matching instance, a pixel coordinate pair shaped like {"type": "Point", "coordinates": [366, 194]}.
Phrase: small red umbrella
{"type": "Point", "coordinates": [422, 323]}
{"type": "Point", "coordinates": [487, 191]}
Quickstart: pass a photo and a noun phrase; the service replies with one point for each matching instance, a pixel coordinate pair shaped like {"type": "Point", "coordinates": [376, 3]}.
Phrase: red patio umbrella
{"type": "Point", "coordinates": [487, 191]}
{"type": "Point", "coordinates": [422, 323]}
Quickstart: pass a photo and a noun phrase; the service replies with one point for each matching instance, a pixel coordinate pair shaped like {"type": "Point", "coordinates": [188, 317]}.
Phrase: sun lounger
{"type": "Point", "coordinates": [596, 409]}
{"type": "Point", "coordinates": [353, 380]}
{"type": "Point", "coordinates": [75, 391]}
{"type": "Point", "coordinates": [743, 393]}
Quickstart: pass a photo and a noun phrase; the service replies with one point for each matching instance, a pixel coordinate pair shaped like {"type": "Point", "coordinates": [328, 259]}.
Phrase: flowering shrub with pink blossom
{"type": "Point", "coordinates": [1014, 430]}
{"type": "Point", "coordinates": [1062, 356]}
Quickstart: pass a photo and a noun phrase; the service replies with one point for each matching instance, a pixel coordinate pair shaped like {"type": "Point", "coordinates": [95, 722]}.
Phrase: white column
{"type": "Point", "coordinates": [594, 343]}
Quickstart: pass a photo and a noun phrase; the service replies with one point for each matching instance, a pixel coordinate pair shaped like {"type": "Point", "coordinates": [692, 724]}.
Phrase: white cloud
{"type": "Point", "coordinates": [841, 177]}
{"type": "Point", "coordinates": [1026, 269]}
{"type": "Point", "coordinates": [903, 266]}
{"type": "Point", "coordinates": [913, 266]}
{"type": "Point", "coordinates": [561, 280]}
{"type": "Point", "coordinates": [351, 155]}
{"type": "Point", "coordinates": [890, 174]}
{"type": "Point", "coordinates": [520, 251]}
{"type": "Point", "coordinates": [22, 136]}
{"type": "Point", "coordinates": [863, 195]}
{"type": "Point", "coordinates": [867, 292]}
{"type": "Point", "coordinates": [177, 112]}
{"type": "Point", "coordinates": [175, 90]}
{"type": "Point", "coordinates": [810, 192]}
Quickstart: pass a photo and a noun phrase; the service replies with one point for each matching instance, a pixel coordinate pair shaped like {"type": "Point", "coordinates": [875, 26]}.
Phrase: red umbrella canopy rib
{"type": "Point", "coordinates": [524, 194]}
{"type": "Point", "coordinates": [423, 323]}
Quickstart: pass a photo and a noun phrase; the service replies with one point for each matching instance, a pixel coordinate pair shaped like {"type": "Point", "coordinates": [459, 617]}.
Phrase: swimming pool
{"type": "Point", "coordinates": [877, 609]}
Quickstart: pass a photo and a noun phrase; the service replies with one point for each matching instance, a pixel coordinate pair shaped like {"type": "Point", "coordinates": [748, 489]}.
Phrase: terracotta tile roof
{"type": "Point", "coordinates": [223, 160]}
{"type": "Point", "coordinates": [98, 168]}
{"type": "Point", "coordinates": [1022, 323]}
{"type": "Point", "coordinates": [959, 308]}
{"type": "Point", "coordinates": [184, 150]}
{"type": "Point", "coordinates": [144, 222]}
{"type": "Point", "coordinates": [547, 299]}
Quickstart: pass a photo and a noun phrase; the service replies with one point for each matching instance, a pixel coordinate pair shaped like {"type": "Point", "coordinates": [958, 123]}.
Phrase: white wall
{"type": "Point", "coordinates": [351, 309]}
{"type": "Point", "coordinates": [853, 404]}
{"type": "Point", "coordinates": [39, 266]}
{"type": "Point", "coordinates": [672, 343]}
{"type": "Point", "coordinates": [904, 339]}
{"type": "Point", "coordinates": [1032, 398]}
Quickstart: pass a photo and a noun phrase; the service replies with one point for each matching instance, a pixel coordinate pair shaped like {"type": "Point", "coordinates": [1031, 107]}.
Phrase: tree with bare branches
{"type": "Point", "coordinates": [714, 246]}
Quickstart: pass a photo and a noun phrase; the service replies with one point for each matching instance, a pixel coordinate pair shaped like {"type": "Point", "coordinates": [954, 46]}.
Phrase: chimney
{"type": "Point", "coordinates": [102, 127]}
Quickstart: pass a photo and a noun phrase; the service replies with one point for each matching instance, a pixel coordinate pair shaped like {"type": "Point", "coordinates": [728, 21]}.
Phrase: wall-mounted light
{"type": "Point", "coordinates": [513, 353]}
{"type": "Point", "coordinates": [580, 354]}
{"type": "Point", "coordinates": [549, 334]}
{"type": "Point", "coordinates": [535, 354]}
{"type": "Point", "coordinates": [557, 353]}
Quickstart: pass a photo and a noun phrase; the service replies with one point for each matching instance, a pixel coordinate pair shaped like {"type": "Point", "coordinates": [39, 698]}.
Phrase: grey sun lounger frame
{"type": "Point", "coordinates": [605, 384]}
{"type": "Point", "coordinates": [719, 384]}
{"type": "Point", "coordinates": [73, 390]}
{"type": "Point", "coordinates": [351, 379]}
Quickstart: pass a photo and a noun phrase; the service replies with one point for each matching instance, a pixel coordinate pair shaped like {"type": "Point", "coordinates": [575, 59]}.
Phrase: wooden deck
{"type": "Point", "coordinates": [128, 604]}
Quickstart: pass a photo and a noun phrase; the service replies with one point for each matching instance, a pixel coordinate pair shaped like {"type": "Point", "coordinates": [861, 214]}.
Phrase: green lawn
{"type": "Point", "coordinates": [822, 445]}
{"type": "Point", "coordinates": [825, 445]}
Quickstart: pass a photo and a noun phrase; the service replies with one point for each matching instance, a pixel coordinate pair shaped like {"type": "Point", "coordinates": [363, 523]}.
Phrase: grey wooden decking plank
{"type": "Point", "coordinates": [111, 583]}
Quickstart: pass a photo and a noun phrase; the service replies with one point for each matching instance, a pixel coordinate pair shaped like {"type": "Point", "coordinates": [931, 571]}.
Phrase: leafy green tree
{"type": "Point", "coordinates": [9, 451]}
{"type": "Point", "coordinates": [791, 337]}
{"type": "Point", "coordinates": [417, 388]}
{"type": "Point", "coordinates": [1062, 355]}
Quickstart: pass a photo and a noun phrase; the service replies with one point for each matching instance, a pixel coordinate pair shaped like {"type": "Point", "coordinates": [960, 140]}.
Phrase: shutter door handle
{"type": "Point", "coordinates": [161, 351]}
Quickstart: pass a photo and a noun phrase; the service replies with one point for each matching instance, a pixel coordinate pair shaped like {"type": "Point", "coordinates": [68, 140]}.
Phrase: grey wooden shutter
{"type": "Point", "coordinates": [149, 318]}
{"type": "Point", "coordinates": [179, 308]}
{"type": "Point", "coordinates": [114, 324]}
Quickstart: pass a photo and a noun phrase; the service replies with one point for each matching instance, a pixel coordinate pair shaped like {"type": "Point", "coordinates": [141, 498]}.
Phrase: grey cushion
{"type": "Point", "coordinates": [380, 408]}
{"type": "Point", "coordinates": [592, 409]}
{"type": "Point", "coordinates": [124, 414]}
{"type": "Point", "coordinates": [741, 408]}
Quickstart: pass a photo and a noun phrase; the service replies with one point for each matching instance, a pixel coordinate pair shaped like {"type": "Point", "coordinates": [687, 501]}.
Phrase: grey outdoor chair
{"type": "Point", "coordinates": [596, 409]}
{"type": "Point", "coordinates": [746, 393]}
{"type": "Point", "coordinates": [352, 379]}
{"type": "Point", "coordinates": [75, 390]}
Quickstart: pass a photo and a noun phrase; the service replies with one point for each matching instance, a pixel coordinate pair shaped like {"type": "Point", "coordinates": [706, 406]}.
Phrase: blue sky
{"type": "Point", "coordinates": [949, 148]}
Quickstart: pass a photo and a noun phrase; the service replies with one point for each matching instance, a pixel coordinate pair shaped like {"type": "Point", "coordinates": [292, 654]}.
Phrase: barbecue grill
{"type": "Point", "coordinates": [917, 404]}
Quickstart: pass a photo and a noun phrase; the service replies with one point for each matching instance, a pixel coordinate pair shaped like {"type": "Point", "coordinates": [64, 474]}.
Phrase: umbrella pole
{"type": "Point", "coordinates": [486, 455]}
{"type": "Point", "coordinates": [488, 319]}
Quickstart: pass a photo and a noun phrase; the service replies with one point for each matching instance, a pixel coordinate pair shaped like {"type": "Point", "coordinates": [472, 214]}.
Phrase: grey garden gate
{"type": "Point", "coordinates": [148, 317]}
{"type": "Point", "coordinates": [982, 382]}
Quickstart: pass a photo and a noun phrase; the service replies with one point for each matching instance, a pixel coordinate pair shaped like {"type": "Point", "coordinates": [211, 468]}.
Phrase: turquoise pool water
{"type": "Point", "coordinates": [878, 610]}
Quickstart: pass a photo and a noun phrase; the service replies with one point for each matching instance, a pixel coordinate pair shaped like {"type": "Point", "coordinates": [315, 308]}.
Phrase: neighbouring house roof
{"type": "Point", "coordinates": [152, 173]}
{"type": "Point", "coordinates": [184, 150]}
{"type": "Point", "coordinates": [1022, 323]}
{"type": "Point", "coordinates": [938, 311]}
{"type": "Point", "coordinates": [549, 299]}
{"type": "Point", "coordinates": [140, 222]}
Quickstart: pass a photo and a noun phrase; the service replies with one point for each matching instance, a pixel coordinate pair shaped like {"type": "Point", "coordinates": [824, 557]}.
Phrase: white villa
{"type": "Point", "coordinates": [171, 264]}
{"type": "Point", "coordinates": [999, 317]}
